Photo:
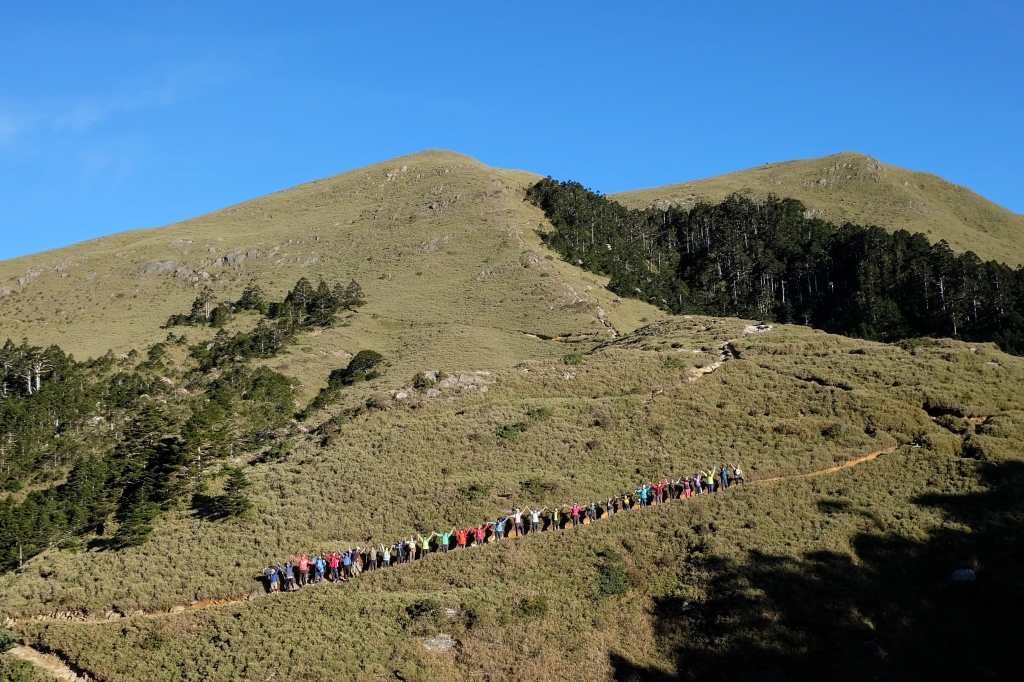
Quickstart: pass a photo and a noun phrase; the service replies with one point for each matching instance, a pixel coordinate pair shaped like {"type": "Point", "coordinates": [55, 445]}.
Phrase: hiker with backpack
{"type": "Point", "coordinates": [737, 474]}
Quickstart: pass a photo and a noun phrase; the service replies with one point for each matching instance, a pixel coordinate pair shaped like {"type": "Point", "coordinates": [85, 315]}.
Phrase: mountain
{"type": "Point", "coordinates": [852, 187]}
{"type": "Point", "coordinates": [875, 472]}
{"type": "Point", "coordinates": [440, 243]}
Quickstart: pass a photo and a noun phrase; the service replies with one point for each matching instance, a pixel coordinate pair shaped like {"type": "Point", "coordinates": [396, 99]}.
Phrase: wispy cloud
{"type": "Point", "coordinates": [19, 119]}
{"type": "Point", "coordinates": [8, 128]}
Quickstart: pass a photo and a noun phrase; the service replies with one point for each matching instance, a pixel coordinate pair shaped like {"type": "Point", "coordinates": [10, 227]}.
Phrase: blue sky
{"type": "Point", "coordinates": [116, 116]}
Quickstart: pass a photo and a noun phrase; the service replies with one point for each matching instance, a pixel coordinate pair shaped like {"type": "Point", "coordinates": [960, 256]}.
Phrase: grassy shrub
{"type": "Point", "coordinates": [611, 575]}
{"type": "Point", "coordinates": [509, 432]}
{"type": "Point", "coordinates": [572, 359]}
{"type": "Point", "coordinates": [541, 413]}
{"type": "Point", "coordinates": [537, 488]}
{"type": "Point", "coordinates": [533, 608]}
{"type": "Point", "coordinates": [16, 670]}
{"type": "Point", "coordinates": [8, 640]}
{"type": "Point", "coordinates": [421, 382]}
{"type": "Point", "coordinates": [425, 609]}
{"type": "Point", "coordinates": [476, 491]}
{"type": "Point", "coordinates": [676, 363]}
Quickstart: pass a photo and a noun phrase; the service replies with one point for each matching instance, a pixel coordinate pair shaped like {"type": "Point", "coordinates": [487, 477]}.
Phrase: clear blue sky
{"type": "Point", "coordinates": [116, 116]}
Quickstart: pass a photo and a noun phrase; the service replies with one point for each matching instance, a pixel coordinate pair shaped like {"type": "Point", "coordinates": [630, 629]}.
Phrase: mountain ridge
{"type": "Point", "coordinates": [854, 187]}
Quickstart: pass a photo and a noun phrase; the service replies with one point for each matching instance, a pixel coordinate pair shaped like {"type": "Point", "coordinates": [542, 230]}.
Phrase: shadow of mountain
{"type": "Point", "coordinates": [892, 613]}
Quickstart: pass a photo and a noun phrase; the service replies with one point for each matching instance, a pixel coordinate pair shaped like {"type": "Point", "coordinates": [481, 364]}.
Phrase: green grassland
{"type": "Point", "coordinates": [844, 574]}
{"type": "Point", "coordinates": [851, 187]}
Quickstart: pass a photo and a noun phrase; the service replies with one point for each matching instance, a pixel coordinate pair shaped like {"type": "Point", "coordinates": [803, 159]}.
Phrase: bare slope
{"type": "Point", "coordinates": [851, 187]}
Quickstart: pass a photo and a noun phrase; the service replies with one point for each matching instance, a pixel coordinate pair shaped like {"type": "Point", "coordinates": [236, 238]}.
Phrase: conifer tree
{"type": "Point", "coordinates": [233, 502]}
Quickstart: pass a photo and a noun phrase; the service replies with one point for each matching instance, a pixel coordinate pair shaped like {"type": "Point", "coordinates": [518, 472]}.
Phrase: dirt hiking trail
{"type": "Point", "coordinates": [48, 663]}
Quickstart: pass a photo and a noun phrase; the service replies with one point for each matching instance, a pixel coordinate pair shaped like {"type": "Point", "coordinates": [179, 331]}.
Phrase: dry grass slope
{"type": "Point", "coordinates": [458, 281]}
{"type": "Point", "coordinates": [851, 187]}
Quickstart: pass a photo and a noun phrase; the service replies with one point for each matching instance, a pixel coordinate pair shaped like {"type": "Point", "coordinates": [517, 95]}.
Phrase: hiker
{"type": "Point", "coordinates": [411, 547]}
{"type": "Point", "coordinates": [332, 563]}
{"type": "Point", "coordinates": [627, 503]}
{"type": "Point", "coordinates": [609, 507]}
{"type": "Point", "coordinates": [346, 565]}
{"type": "Point", "coordinates": [444, 540]}
{"type": "Point", "coordinates": [592, 512]}
{"type": "Point", "coordinates": [535, 519]}
{"type": "Point", "coordinates": [517, 519]}
{"type": "Point", "coordinates": [723, 473]}
{"type": "Point", "coordinates": [271, 574]}
{"type": "Point", "coordinates": [303, 563]}
{"type": "Point", "coordinates": [425, 545]}
{"type": "Point", "coordinates": [659, 491]}
{"type": "Point", "coordinates": [400, 552]}
{"type": "Point", "coordinates": [372, 556]}
{"type": "Point", "coordinates": [642, 493]}
{"type": "Point", "coordinates": [289, 576]}
{"type": "Point", "coordinates": [687, 487]}
{"type": "Point", "coordinates": [499, 528]}
{"type": "Point", "coordinates": [460, 537]}
{"type": "Point", "coordinates": [481, 533]}
{"type": "Point", "coordinates": [737, 474]}
{"type": "Point", "coordinates": [556, 519]}
{"type": "Point", "coordinates": [574, 513]}
{"type": "Point", "coordinates": [318, 569]}
{"type": "Point", "coordinates": [709, 480]}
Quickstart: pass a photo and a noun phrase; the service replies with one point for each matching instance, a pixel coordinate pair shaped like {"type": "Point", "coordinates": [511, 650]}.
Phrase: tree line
{"type": "Point", "coordinates": [765, 260]}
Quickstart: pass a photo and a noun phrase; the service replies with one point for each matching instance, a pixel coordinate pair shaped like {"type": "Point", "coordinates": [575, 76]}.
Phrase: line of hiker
{"type": "Point", "coordinates": [340, 566]}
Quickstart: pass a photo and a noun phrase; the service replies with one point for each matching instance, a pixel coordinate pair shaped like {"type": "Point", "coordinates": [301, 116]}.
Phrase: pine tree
{"type": "Point", "coordinates": [322, 306]}
{"type": "Point", "coordinates": [301, 295]}
{"type": "Point", "coordinates": [137, 526]}
{"type": "Point", "coordinates": [349, 296]}
{"type": "Point", "coordinates": [252, 299]}
{"type": "Point", "coordinates": [233, 502]}
{"type": "Point", "coordinates": [202, 306]}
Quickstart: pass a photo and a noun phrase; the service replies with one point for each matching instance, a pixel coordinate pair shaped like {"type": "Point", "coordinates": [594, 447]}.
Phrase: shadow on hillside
{"type": "Point", "coordinates": [895, 614]}
{"type": "Point", "coordinates": [208, 507]}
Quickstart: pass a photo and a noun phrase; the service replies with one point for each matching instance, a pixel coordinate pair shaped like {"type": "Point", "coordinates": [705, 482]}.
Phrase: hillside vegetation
{"type": "Point", "coordinates": [774, 574]}
{"type": "Point", "coordinates": [851, 187]}
{"type": "Point", "coordinates": [481, 374]}
{"type": "Point", "coordinates": [766, 259]}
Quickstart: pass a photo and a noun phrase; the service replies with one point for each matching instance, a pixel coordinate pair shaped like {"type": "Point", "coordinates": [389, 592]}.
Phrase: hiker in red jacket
{"type": "Point", "coordinates": [461, 535]}
{"type": "Point", "coordinates": [480, 532]}
{"type": "Point", "coordinates": [303, 562]}
{"type": "Point", "coordinates": [333, 561]}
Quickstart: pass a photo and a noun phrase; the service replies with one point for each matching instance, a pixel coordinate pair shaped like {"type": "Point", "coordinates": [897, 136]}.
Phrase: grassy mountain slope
{"type": "Point", "coordinates": [814, 575]}
{"type": "Point", "coordinates": [851, 187]}
{"type": "Point", "coordinates": [776, 574]}
{"type": "Point", "coordinates": [442, 245]}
